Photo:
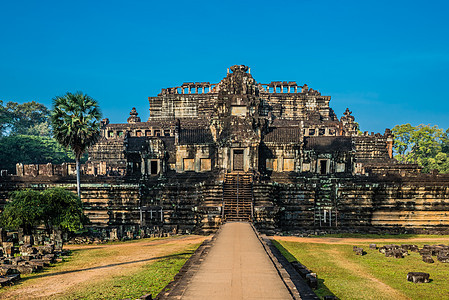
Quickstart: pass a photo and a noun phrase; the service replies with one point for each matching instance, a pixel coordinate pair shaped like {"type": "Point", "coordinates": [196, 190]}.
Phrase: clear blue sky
{"type": "Point", "coordinates": [388, 61]}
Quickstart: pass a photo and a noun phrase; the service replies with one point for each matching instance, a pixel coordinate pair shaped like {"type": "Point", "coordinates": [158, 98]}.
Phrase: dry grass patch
{"type": "Point", "coordinates": [109, 271]}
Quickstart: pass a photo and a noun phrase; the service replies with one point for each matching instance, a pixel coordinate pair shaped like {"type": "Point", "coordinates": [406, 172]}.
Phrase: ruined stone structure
{"type": "Point", "coordinates": [275, 154]}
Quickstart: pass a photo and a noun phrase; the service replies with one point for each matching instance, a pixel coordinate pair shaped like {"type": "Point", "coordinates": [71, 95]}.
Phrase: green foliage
{"type": "Point", "coordinates": [76, 125]}
{"type": "Point", "coordinates": [25, 210]}
{"type": "Point", "coordinates": [55, 208]}
{"type": "Point", "coordinates": [29, 149]}
{"type": "Point", "coordinates": [425, 145]}
{"type": "Point", "coordinates": [76, 121]}
{"type": "Point", "coordinates": [63, 210]}
{"type": "Point", "coordinates": [29, 118]}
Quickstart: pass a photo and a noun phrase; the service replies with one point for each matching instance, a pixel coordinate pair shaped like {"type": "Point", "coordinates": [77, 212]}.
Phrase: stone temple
{"type": "Point", "coordinates": [275, 154]}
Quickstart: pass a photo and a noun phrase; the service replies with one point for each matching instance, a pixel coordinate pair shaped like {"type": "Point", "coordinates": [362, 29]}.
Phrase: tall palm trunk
{"type": "Point", "coordinates": [78, 175]}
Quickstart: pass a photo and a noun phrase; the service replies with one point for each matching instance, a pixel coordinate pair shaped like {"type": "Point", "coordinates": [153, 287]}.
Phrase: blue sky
{"type": "Point", "coordinates": [388, 61]}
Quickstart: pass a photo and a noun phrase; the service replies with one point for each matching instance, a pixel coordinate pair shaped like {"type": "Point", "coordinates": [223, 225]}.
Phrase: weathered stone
{"type": "Point", "coordinates": [26, 269]}
{"type": "Point", "coordinates": [280, 143]}
{"type": "Point", "coordinates": [428, 259]}
{"type": "Point", "coordinates": [443, 258]}
{"type": "Point", "coordinates": [312, 280]}
{"type": "Point", "coordinates": [418, 277]}
{"type": "Point", "coordinates": [358, 251]}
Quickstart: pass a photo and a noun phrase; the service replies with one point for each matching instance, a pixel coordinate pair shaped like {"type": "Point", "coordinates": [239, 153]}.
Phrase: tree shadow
{"type": "Point", "coordinates": [105, 266]}
{"type": "Point", "coordinates": [322, 289]}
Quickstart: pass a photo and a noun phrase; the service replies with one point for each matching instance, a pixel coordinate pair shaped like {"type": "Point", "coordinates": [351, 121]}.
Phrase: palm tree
{"type": "Point", "coordinates": [75, 120]}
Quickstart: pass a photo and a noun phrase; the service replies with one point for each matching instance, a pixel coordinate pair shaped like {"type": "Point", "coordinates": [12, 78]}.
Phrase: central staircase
{"type": "Point", "coordinates": [237, 197]}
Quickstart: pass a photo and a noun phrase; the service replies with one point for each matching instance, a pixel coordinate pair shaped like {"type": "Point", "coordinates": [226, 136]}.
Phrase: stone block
{"type": "Point", "coordinates": [358, 251]}
{"type": "Point", "coordinates": [4, 281]}
{"type": "Point", "coordinates": [443, 258]}
{"type": "Point", "coordinates": [26, 269]}
{"type": "Point", "coordinates": [312, 281]}
{"type": "Point", "coordinates": [7, 270]}
{"type": "Point", "coordinates": [428, 259]}
{"type": "Point", "coordinates": [418, 277]}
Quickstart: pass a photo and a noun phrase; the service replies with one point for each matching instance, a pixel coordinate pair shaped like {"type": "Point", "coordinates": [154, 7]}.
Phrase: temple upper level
{"type": "Point", "coordinates": [277, 99]}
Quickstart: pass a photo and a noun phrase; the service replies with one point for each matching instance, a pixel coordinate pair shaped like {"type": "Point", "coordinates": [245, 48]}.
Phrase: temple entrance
{"type": "Point", "coordinates": [237, 160]}
{"type": "Point", "coordinates": [323, 167]}
{"type": "Point", "coordinates": [153, 167]}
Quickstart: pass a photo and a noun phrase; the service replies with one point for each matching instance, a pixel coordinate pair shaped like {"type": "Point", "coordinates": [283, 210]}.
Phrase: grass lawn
{"type": "Point", "coordinates": [114, 271]}
{"type": "Point", "coordinates": [372, 276]}
{"type": "Point", "coordinates": [150, 278]}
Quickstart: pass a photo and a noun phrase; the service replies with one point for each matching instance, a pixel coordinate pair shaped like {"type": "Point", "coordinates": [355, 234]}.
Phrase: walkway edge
{"type": "Point", "coordinates": [296, 286]}
{"type": "Point", "coordinates": [176, 288]}
{"type": "Point", "coordinates": [279, 268]}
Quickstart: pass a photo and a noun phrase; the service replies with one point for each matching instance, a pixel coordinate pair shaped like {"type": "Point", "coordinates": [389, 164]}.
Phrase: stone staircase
{"type": "Point", "coordinates": [238, 197]}
{"type": "Point", "coordinates": [324, 210]}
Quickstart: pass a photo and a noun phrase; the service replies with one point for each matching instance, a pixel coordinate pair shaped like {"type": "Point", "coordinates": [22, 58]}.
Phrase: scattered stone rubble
{"type": "Point", "coordinates": [25, 258]}
{"type": "Point", "coordinates": [399, 251]}
{"type": "Point", "coordinates": [440, 251]}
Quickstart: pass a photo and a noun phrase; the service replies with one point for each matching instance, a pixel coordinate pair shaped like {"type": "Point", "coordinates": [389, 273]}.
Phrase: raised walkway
{"type": "Point", "coordinates": [236, 267]}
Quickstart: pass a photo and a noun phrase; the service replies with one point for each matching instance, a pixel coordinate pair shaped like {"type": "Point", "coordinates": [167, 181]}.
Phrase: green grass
{"type": "Point", "coordinates": [151, 278]}
{"type": "Point", "coordinates": [349, 276]}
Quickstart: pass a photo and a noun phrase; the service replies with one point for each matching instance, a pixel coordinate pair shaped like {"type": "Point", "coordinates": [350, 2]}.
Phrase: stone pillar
{"type": "Point", "coordinates": [143, 167]}
{"type": "Point", "coordinates": [296, 88]}
{"type": "Point", "coordinates": [390, 146]}
{"type": "Point", "coordinates": [19, 169]}
{"type": "Point", "coordinates": [3, 235]}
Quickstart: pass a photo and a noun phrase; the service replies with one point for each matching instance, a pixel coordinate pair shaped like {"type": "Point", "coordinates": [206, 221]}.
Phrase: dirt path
{"type": "Point", "coordinates": [351, 241]}
{"type": "Point", "coordinates": [103, 262]}
{"type": "Point", "coordinates": [384, 291]}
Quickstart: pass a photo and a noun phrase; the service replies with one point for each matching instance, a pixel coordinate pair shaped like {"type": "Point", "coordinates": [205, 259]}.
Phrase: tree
{"type": "Point", "coordinates": [30, 149]}
{"type": "Point", "coordinates": [75, 119]}
{"type": "Point", "coordinates": [25, 210]}
{"type": "Point", "coordinates": [62, 210]}
{"type": "Point", "coordinates": [29, 118]}
{"type": "Point", "coordinates": [424, 145]}
{"type": "Point", "coordinates": [5, 119]}
{"type": "Point", "coordinates": [402, 134]}
{"type": "Point", "coordinates": [55, 208]}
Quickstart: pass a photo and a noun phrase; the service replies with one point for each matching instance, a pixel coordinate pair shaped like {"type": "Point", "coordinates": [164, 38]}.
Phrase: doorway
{"type": "Point", "coordinates": [153, 167]}
{"type": "Point", "coordinates": [323, 167]}
{"type": "Point", "coordinates": [238, 160]}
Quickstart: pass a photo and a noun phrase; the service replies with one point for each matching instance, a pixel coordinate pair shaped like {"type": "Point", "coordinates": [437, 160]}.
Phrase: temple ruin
{"type": "Point", "coordinates": [275, 154]}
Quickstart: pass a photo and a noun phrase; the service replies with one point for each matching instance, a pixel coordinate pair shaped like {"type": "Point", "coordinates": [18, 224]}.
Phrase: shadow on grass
{"type": "Point", "coordinates": [322, 288]}
{"type": "Point", "coordinates": [107, 266]}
